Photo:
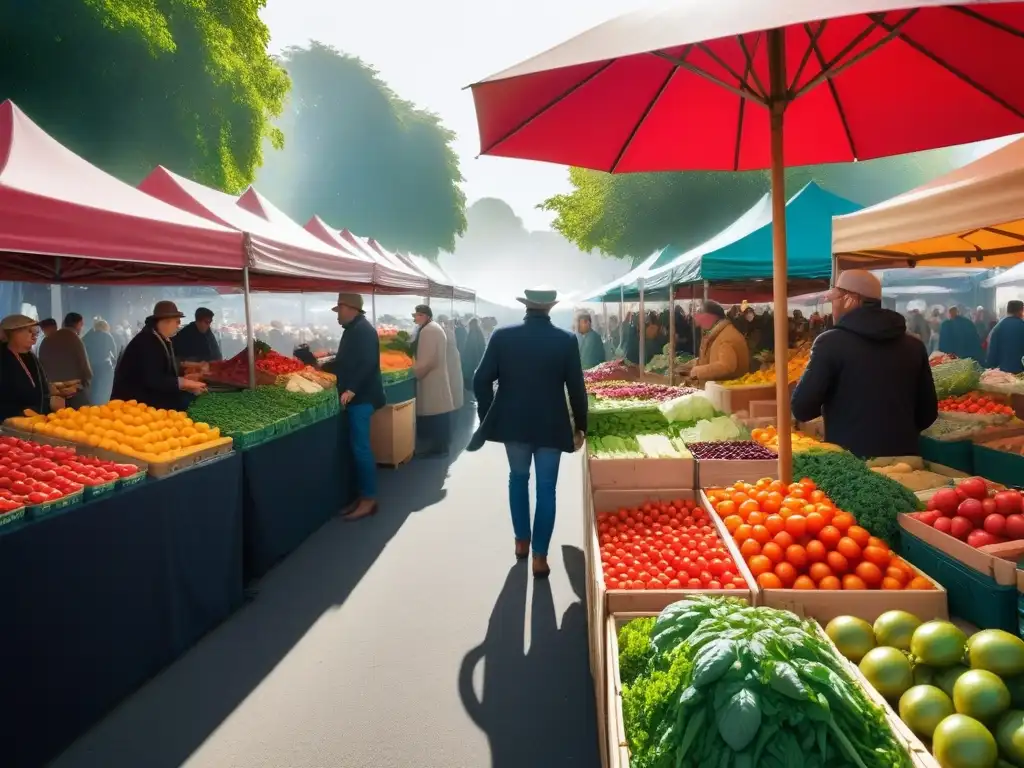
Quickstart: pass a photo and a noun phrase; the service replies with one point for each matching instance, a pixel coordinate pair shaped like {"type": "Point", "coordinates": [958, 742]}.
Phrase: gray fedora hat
{"type": "Point", "coordinates": [541, 297]}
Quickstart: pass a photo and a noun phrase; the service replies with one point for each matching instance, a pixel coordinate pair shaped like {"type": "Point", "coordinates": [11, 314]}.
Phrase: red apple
{"type": "Point", "coordinates": [995, 524]}
{"type": "Point", "coordinates": [944, 524]}
{"type": "Point", "coordinates": [981, 539]}
{"type": "Point", "coordinates": [945, 501]}
{"type": "Point", "coordinates": [973, 510]}
{"type": "Point", "coordinates": [974, 488]}
{"type": "Point", "coordinates": [960, 526]}
{"type": "Point", "coordinates": [1009, 502]}
{"type": "Point", "coordinates": [1014, 527]}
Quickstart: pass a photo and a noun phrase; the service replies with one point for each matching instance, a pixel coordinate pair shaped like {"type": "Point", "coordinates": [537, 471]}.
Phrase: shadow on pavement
{"type": "Point", "coordinates": [537, 706]}
{"type": "Point", "coordinates": [164, 722]}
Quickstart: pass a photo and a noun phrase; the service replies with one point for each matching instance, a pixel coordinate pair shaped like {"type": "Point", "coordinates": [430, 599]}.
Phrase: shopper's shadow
{"type": "Point", "coordinates": [536, 706]}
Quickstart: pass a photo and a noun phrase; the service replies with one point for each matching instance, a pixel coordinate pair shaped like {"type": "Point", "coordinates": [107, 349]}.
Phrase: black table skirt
{"type": "Point", "coordinates": [293, 485]}
{"type": "Point", "coordinates": [97, 599]}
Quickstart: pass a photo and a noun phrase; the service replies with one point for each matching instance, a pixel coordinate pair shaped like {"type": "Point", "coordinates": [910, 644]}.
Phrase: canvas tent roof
{"type": "Point", "coordinates": [610, 291]}
{"type": "Point", "coordinates": [284, 258]}
{"type": "Point", "coordinates": [387, 278]}
{"type": "Point", "coordinates": [1013, 276]}
{"type": "Point", "coordinates": [63, 219]}
{"type": "Point", "coordinates": [972, 216]}
{"type": "Point", "coordinates": [439, 277]}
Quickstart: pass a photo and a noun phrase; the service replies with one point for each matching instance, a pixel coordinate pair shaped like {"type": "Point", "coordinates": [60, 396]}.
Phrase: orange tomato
{"type": "Point", "coordinates": [796, 556]}
{"type": "Point", "coordinates": [804, 582]}
{"type": "Point", "coordinates": [747, 507]}
{"type": "Point", "coordinates": [819, 571]}
{"type": "Point", "coordinates": [848, 548]}
{"type": "Point", "coordinates": [837, 563]}
{"type": "Point", "coordinates": [742, 533]}
{"type": "Point", "coordinates": [759, 564]}
{"type": "Point", "coordinates": [830, 582]}
{"type": "Point", "coordinates": [784, 539]}
{"type": "Point", "coordinates": [793, 503]}
{"type": "Point", "coordinates": [776, 486]}
{"type": "Point", "coordinates": [773, 552]}
{"type": "Point", "coordinates": [879, 556]}
{"type": "Point", "coordinates": [772, 504]}
{"type": "Point", "coordinates": [749, 548]}
{"type": "Point", "coordinates": [797, 491]}
{"type": "Point", "coordinates": [815, 522]}
{"type": "Point", "coordinates": [739, 497]}
{"type": "Point", "coordinates": [775, 524]}
{"type": "Point", "coordinates": [853, 582]}
{"type": "Point", "coordinates": [760, 534]}
{"type": "Point", "coordinates": [830, 536]}
{"type": "Point", "coordinates": [897, 574]}
{"type": "Point", "coordinates": [756, 517]}
{"type": "Point", "coordinates": [807, 483]}
{"type": "Point", "coordinates": [726, 508]}
{"type": "Point", "coordinates": [732, 522]}
{"type": "Point", "coordinates": [859, 535]}
{"type": "Point", "coordinates": [920, 582]}
{"type": "Point", "coordinates": [874, 541]}
{"type": "Point", "coordinates": [769, 581]}
{"type": "Point", "coordinates": [869, 573]}
{"type": "Point", "coordinates": [843, 521]}
{"type": "Point", "coordinates": [787, 574]}
{"type": "Point", "coordinates": [890, 583]}
{"type": "Point", "coordinates": [816, 552]}
{"type": "Point", "coordinates": [796, 526]}
{"type": "Point", "coordinates": [817, 496]}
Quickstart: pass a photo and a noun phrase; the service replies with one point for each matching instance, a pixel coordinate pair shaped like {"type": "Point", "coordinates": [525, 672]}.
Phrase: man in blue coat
{"type": "Point", "coordinates": [958, 336]}
{"type": "Point", "coordinates": [534, 365]}
{"type": "Point", "coordinates": [1006, 342]}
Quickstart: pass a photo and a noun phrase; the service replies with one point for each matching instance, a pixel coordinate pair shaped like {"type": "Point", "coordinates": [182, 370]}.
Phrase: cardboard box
{"type": "Point", "coordinates": [867, 604]}
{"type": "Point", "coordinates": [764, 409]}
{"type": "Point", "coordinates": [719, 473]}
{"type": "Point", "coordinates": [393, 433]}
{"type": "Point", "coordinates": [632, 474]}
{"type": "Point", "coordinates": [616, 745]}
{"type": "Point", "coordinates": [735, 399]}
{"type": "Point", "coordinates": [939, 469]}
{"type": "Point", "coordinates": [1002, 571]}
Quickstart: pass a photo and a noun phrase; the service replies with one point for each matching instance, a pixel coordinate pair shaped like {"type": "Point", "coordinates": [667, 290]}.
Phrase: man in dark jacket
{"type": "Point", "coordinates": [591, 347]}
{"type": "Point", "coordinates": [534, 364]}
{"type": "Point", "coordinates": [357, 366]}
{"type": "Point", "coordinates": [196, 342]}
{"type": "Point", "coordinates": [1006, 342]}
{"type": "Point", "coordinates": [869, 379]}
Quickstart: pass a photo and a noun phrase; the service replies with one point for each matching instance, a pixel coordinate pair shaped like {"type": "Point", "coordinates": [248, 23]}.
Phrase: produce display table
{"type": "Point", "coordinates": [400, 391]}
{"type": "Point", "coordinates": [292, 485]}
{"type": "Point", "coordinates": [99, 598]}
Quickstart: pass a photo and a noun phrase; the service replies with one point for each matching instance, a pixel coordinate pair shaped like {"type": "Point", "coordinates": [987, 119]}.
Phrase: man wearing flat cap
{"type": "Point", "coordinates": [361, 391]}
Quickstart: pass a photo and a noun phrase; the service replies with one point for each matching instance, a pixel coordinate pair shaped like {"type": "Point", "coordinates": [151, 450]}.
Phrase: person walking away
{"type": "Point", "coordinates": [361, 393]}
{"type": "Point", "coordinates": [724, 353]}
{"type": "Point", "coordinates": [867, 377]}
{"type": "Point", "coordinates": [473, 353]}
{"type": "Point", "coordinates": [918, 327]}
{"type": "Point", "coordinates": [47, 326]}
{"type": "Point", "coordinates": [101, 349]}
{"type": "Point", "coordinates": [148, 371]}
{"type": "Point", "coordinates": [63, 357]}
{"type": "Point", "coordinates": [433, 391]}
{"type": "Point", "coordinates": [539, 412]}
{"type": "Point", "coordinates": [460, 334]}
{"type": "Point", "coordinates": [196, 342]}
{"type": "Point", "coordinates": [591, 347]}
{"type": "Point", "coordinates": [23, 382]}
{"type": "Point", "coordinates": [981, 324]}
{"type": "Point", "coordinates": [1006, 342]}
{"type": "Point", "coordinates": [958, 336]}
{"type": "Point", "coordinates": [454, 361]}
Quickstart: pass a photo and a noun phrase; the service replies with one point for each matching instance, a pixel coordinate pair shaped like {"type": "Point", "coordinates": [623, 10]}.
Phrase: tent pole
{"type": "Point", "coordinates": [641, 325]}
{"type": "Point", "coordinates": [777, 105]}
{"type": "Point", "coordinates": [693, 322]}
{"type": "Point", "coordinates": [604, 313]}
{"type": "Point", "coordinates": [373, 307]}
{"type": "Point", "coordinates": [249, 343]}
{"type": "Point", "coordinates": [622, 316]}
{"type": "Point", "coordinates": [671, 331]}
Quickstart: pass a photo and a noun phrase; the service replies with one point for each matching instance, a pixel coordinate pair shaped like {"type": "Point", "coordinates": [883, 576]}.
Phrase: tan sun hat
{"type": "Point", "coordinates": [353, 300]}
{"type": "Point", "coordinates": [17, 322]}
{"type": "Point", "coordinates": [164, 310]}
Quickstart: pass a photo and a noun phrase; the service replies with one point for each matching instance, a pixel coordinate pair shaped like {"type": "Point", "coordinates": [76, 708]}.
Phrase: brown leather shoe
{"type": "Point", "coordinates": [365, 508]}
{"type": "Point", "coordinates": [522, 549]}
{"type": "Point", "coordinates": [540, 567]}
{"type": "Point", "coordinates": [349, 508]}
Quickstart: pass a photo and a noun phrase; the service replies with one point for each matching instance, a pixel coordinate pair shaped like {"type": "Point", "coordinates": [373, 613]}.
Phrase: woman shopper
{"type": "Point", "coordinates": [535, 365]}
{"type": "Point", "coordinates": [101, 349]}
{"type": "Point", "coordinates": [433, 392]}
{"type": "Point", "coordinates": [23, 384]}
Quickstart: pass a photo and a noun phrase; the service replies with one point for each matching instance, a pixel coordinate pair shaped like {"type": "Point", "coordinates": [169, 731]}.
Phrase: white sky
{"type": "Point", "coordinates": [428, 51]}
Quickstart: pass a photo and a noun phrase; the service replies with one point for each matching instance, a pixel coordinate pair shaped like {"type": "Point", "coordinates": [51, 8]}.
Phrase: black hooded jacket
{"type": "Point", "coordinates": [871, 382]}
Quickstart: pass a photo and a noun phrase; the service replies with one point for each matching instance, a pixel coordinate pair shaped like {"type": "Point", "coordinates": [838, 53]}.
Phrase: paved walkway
{"type": "Point", "coordinates": [408, 640]}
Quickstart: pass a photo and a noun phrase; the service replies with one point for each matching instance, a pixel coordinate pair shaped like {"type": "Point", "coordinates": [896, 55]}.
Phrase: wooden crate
{"type": "Point", "coordinates": [393, 433]}
{"type": "Point", "coordinates": [614, 739]}
{"type": "Point", "coordinates": [736, 399]}
{"type": "Point", "coordinates": [720, 473]}
{"type": "Point", "coordinates": [1002, 571]}
{"type": "Point", "coordinates": [631, 474]}
{"type": "Point", "coordinates": [200, 454]}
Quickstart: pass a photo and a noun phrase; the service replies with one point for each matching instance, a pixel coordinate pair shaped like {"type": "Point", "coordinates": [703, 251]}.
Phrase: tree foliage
{"type": "Point", "coordinates": [131, 84]}
{"type": "Point", "coordinates": [363, 158]}
{"type": "Point", "coordinates": [633, 215]}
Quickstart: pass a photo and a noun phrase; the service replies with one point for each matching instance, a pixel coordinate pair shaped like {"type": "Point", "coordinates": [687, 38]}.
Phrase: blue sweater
{"type": "Point", "coordinates": [1006, 345]}
{"type": "Point", "coordinates": [958, 336]}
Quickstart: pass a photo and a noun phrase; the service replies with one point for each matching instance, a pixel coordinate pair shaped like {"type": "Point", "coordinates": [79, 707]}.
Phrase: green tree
{"type": "Point", "coordinates": [131, 84]}
{"type": "Point", "coordinates": [363, 158]}
{"type": "Point", "coordinates": [631, 215]}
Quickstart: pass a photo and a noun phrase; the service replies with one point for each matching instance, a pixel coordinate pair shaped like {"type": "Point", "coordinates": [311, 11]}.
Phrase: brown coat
{"type": "Point", "coordinates": [433, 392]}
{"type": "Point", "coordinates": [723, 354]}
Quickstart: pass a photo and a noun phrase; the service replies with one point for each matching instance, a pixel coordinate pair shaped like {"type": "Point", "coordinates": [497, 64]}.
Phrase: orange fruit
{"type": "Point", "coordinates": [920, 582]}
{"type": "Point", "coordinates": [808, 484]}
{"type": "Point", "coordinates": [787, 574]}
{"type": "Point", "coordinates": [848, 548]}
{"type": "Point", "coordinates": [804, 582]}
{"type": "Point", "coordinates": [732, 522]}
{"type": "Point", "coordinates": [796, 556]}
{"type": "Point", "coordinates": [749, 548]}
{"type": "Point", "coordinates": [738, 498]}
{"type": "Point", "coordinates": [819, 571]}
{"type": "Point", "coordinates": [742, 533]}
{"type": "Point", "coordinates": [796, 526]}
{"type": "Point", "coordinates": [815, 522]}
{"type": "Point", "coordinates": [859, 535]}
{"type": "Point", "coordinates": [837, 563]}
{"type": "Point", "coordinates": [775, 524]}
{"type": "Point", "coordinates": [817, 496]}
{"type": "Point", "coordinates": [784, 539]}
{"type": "Point", "coordinates": [760, 534]}
{"type": "Point", "coordinates": [773, 552]}
{"type": "Point", "coordinates": [898, 574]}
{"type": "Point", "coordinates": [879, 556]}
{"type": "Point", "coordinates": [843, 521]}
{"type": "Point", "coordinates": [870, 574]}
{"type": "Point", "coordinates": [769, 581]}
{"type": "Point", "coordinates": [747, 507]}
{"type": "Point", "coordinates": [853, 582]}
{"type": "Point", "coordinates": [726, 508]}
{"type": "Point", "coordinates": [874, 541]}
{"type": "Point", "coordinates": [759, 564]}
{"type": "Point", "coordinates": [830, 582]}
{"type": "Point", "coordinates": [830, 536]}
{"type": "Point", "coordinates": [771, 505]}
{"type": "Point", "coordinates": [756, 518]}
{"type": "Point", "coordinates": [890, 583]}
{"type": "Point", "coordinates": [816, 552]}
{"type": "Point", "coordinates": [793, 503]}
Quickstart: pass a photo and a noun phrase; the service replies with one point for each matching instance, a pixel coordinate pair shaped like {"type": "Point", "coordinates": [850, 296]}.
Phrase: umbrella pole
{"type": "Point", "coordinates": [778, 88]}
{"type": "Point", "coordinates": [693, 322]}
{"type": "Point", "coordinates": [641, 324]}
{"type": "Point", "coordinates": [671, 331]}
{"type": "Point", "coordinates": [249, 343]}
{"type": "Point", "coordinates": [622, 318]}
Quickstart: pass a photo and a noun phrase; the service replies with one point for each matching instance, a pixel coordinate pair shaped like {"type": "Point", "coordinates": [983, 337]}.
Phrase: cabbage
{"type": "Point", "coordinates": [688, 408]}
{"type": "Point", "coordinates": [714, 430]}
{"type": "Point", "coordinates": [957, 377]}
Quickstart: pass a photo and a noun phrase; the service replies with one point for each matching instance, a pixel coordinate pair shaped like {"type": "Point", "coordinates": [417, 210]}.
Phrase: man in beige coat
{"type": "Point", "coordinates": [454, 365]}
{"type": "Point", "coordinates": [723, 351]}
{"type": "Point", "coordinates": [433, 390]}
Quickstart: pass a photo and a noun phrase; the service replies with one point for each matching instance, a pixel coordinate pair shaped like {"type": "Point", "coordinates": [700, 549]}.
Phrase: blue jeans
{"type": "Point", "coordinates": [359, 435]}
{"type": "Point", "coordinates": [546, 460]}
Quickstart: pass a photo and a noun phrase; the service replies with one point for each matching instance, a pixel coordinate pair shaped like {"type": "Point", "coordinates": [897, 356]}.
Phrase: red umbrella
{"type": "Point", "coordinates": [707, 85]}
